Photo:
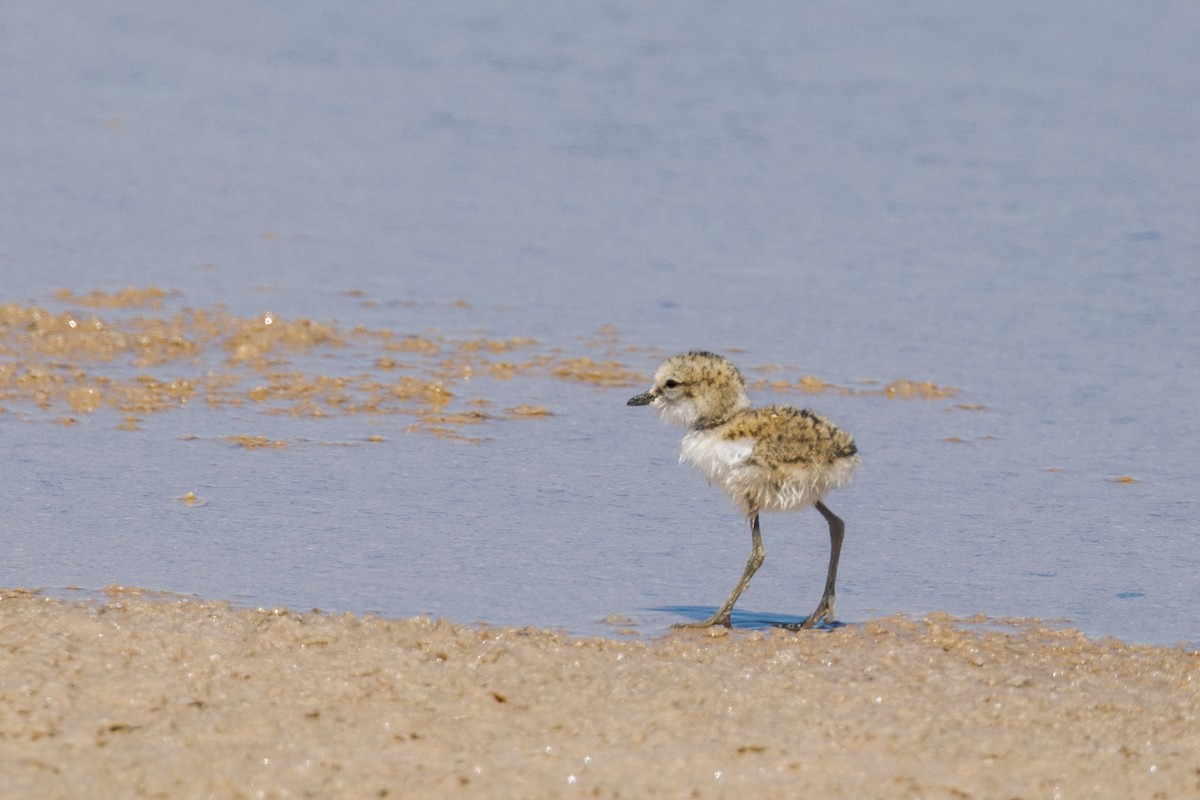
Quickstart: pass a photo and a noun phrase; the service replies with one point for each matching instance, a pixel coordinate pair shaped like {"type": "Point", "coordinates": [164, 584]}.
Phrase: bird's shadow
{"type": "Point", "coordinates": [748, 620]}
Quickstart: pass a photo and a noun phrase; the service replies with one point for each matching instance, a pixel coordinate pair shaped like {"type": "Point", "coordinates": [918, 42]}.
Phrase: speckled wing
{"type": "Point", "coordinates": [798, 457]}
{"type": "Point", "coordinates": [791, 436]}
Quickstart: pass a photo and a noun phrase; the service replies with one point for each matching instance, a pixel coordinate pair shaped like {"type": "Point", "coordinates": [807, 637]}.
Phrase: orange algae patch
{"type": "Point", "coordinates": [807, 384]}
{"type": "Point", "coordinates": [444, 432]}
{"type": "Point", "coordinates": [147, 394]}
{"type": "Point", "coordinates": [257, 341]}
{"type": "Point", "coordinates": [389, 364]}
{"type": "Point", "coordinates": [304, 394]}
{"type": "Point", "coordinates": [896, 390]}
{"type": "Point", "coordinates": [31, 330]}
{"type": "Point", "coordinates": [599, 373]}
{"type": "Point", "coordinates": [921, 390]}
{"type": "Point", "coordinates": [410, 388]}
{"type": "Point", "coordinates": [129, 297]}
{"type": "Point", "coordinates": [82, 363]}
{"type": "Point", "coordinates": [497, 345]}
{"type": "Point", "coordinates": [255, 442]}
{"type": "Point", "coordinates": [413, 344]}
{"type": "Point", "coordinates": [504, 370]}
{"type": "Point", "coordinates": [526, 410]}
{"type": "Point", "coordinates": [84, 399]}
{"type": "Point", "coordinates": [457, 418]}
{"type": "Point", "coordinates": [813, 385]}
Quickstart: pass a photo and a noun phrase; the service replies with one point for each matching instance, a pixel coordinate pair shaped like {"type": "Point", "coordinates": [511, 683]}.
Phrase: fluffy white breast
{"type": "Point", "coordinates": [714, 455]}
{"type": "Point", "coordinates": [753, 487]}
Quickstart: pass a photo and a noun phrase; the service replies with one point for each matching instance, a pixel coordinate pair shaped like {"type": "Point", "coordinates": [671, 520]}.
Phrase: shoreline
{"type": "Point", "coordinates": [181, 697]}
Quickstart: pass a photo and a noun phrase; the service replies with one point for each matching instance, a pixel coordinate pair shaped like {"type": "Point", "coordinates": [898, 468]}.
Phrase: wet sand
{"type": "Point", "coordinates": [155, 696]}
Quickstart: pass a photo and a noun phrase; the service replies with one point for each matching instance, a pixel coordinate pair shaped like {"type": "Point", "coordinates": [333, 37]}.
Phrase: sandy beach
{"type": "Point", "coordinates": [151, 695]}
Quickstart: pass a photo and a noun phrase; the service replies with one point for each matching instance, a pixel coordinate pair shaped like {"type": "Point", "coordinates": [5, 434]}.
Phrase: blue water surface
{"type": "Point", "coordinates": [1000, 198]}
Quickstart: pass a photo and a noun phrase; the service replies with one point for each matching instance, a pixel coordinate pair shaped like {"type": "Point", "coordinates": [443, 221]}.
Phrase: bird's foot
{"type": "Point", "coordinates": [821, 617]}
{"type": "Point", "coordinates": [715, 619]}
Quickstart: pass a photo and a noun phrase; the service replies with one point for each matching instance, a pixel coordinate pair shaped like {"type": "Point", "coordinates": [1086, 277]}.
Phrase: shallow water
{"type": "Point", "coordinates": [997, 201]}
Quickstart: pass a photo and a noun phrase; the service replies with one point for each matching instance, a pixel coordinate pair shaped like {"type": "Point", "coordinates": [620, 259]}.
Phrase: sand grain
{"type": "Point", "coordinates": [162, 697]}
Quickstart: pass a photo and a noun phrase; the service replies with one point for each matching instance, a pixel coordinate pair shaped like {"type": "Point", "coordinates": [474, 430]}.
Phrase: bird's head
{"type": "Point", "coordinates": [697, 389]}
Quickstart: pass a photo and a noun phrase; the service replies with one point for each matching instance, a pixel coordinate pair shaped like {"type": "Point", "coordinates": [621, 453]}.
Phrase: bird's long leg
{"type": "Point", "coordinates": [724, 614]}
{"type": "Point", "coordinates": [837, 531]}
{"type": "Point", "coordinates": [824, 612]}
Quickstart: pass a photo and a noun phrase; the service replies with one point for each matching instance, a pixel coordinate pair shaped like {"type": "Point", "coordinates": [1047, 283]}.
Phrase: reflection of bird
{"type": "Point", "coordinates": [775, 458]}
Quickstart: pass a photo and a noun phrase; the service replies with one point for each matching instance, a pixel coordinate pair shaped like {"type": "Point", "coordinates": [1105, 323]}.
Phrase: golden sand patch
{"type": "Point", "coordinates": [152, 695]}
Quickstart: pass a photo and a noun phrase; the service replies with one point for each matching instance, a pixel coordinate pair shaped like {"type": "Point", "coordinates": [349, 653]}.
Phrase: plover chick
{"type": "Point", "coordinates": [775, 458]}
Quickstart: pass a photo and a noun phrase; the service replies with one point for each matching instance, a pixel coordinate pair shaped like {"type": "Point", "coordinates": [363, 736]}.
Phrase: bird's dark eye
{"type": "Point", "coordinates": [671, 384]}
